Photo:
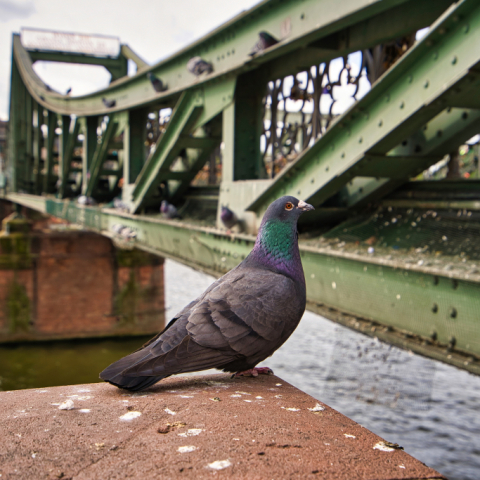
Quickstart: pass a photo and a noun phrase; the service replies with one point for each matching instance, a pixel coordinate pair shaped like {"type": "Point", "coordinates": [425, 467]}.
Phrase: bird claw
{"type": "Point", "coordinates": [254, 372]}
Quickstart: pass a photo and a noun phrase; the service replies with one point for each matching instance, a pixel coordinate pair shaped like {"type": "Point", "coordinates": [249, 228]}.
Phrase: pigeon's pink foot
{"type": "Point", "coordinates": [254, 372]}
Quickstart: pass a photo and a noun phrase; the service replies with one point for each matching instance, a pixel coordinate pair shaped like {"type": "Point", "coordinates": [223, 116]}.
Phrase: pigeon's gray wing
{"type": "Point", "coordinates": [245, 317]}
{"type": "Point", "coordinates": [250, 315]}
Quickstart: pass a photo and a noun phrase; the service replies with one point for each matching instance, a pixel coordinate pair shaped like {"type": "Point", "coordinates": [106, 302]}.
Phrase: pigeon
{"type": "Point", "coordinates": [157, 84]}
{"type": "Point", "coordinates": [197, 66]}
{"type": "Point", "coordinates": [239, 321]}
{"type": "Point", "coordinates": [265, 40]}
{"type": "Point", "coordinates": [117, 228]}
{"type": "Point", "coordinates": [168, 210]}
{"type": "Point", "coordinates": [119, 204]}
{"type": "Point", "coordinates": [109, 103]}
{"type": "Point", "coordinates": [84, 200]}
{"type": "Point", "coordinates": [228, 218]}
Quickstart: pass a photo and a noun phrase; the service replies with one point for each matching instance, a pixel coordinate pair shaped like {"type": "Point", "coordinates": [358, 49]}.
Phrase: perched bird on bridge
{"type": "Point", "coordinates": [168, 210]}
{"type": "Point", "coordinates": [109, 103]}
{"type": "Point", "coordinates": [265, 40]}
{"type": "Point", "coordinates": [298, 93]}
{"type": "Point", "coordinates": [84, 200]}
{"type": "Point", "coordinates": [197, 66]}
{"type": "Point", "coordinates": [157, 84]}
{"type": "Point", "coordinates": [228, 218]}
{"type": "Point", "coordinates": [240, 320]}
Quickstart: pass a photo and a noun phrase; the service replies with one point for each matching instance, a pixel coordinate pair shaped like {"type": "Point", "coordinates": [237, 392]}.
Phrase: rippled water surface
{"type": "Point", "coordinates": [431, 409]}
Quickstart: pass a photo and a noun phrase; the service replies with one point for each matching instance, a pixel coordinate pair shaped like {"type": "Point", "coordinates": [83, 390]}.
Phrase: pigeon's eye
{"type": "Point", "coordinates": [289, 206]}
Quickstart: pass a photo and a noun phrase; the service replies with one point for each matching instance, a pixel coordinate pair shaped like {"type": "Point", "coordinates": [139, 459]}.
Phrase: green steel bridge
{"type": "Point", "coordinates": [390, 251]}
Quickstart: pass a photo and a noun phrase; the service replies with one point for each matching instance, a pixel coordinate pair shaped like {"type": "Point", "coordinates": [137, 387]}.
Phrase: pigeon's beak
{"type": "Point", "coordinates": [306, 207]}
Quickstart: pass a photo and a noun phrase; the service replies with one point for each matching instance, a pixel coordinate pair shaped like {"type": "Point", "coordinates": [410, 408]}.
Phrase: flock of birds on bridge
{"type": "Point", "coordinates": [198, 66]}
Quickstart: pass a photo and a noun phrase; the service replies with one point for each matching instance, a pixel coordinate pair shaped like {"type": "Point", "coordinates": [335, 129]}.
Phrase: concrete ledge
{"type": "Point", "coordinates": [192, 427]}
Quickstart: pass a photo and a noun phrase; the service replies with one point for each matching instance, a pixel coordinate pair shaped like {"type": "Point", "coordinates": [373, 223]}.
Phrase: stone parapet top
{"type": "Point", "coordinates": [190, 427]}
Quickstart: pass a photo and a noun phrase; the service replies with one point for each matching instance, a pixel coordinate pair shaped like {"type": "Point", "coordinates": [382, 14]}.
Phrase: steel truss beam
{"type": "Point", "coordinates": [422, 84]}
{"type": "Point", "coordinates": [397, 297]}
{"type": "Point", "coordinates": [297, 24]}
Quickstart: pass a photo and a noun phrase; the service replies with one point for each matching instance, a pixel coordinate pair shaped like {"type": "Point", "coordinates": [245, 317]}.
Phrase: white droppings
{"type": "Point", "coordinates": [278, 384]}
{"type": "Point", "coordinates": [260, 398]}
{"type": "Point", "coordinates": [84, 397]}
{"type": "Point", "coordinates": [220, 464]}
{"type": "Point", "coordinates": [401, 466]}
{"type": "Point", "coordinates": [317, 408]}
{"type": "Point", "coordinates": [129, 416]}
{"type": "Point", "coordinates": [170, 412]}
{"type": "Point", "coordinates": [382, 447]}
{"type": "Point", "coordinates": [235, 395]}
{"type": "Point", "coordinates": [248, 401]}
{"type": "Point", "coordinates": [191, 432]}
{"type": "Point", "coordinates": [186, 449]}
{"type": "Point", "coordinates": [55, 404]}
{"type": "Point", "coordinates": [243, 393]}
{"type": "Point", "coordinates": [370, 250]}
{"type": "Point", "coordinates": [185, 396]}
{"type": "Point", "coordinates": [291, 409]}
{"type": "Point", "coordinates": [278, 396]}
{"type": "Point", "coordinates": [83, 390]}
{"type": "Point", "coordinates": [66, 405]}
{"type": "Point", "coordinates": [236, 439]}
{"type": "Point", "coordinates": [347, 435]}
{"type": "Point", "coordinates": [34, 454]}
{"type": "Point", "coordinates": [84, 410]}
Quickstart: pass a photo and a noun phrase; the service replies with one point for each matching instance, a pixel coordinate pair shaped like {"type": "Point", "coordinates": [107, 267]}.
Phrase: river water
{"type": "Point", "coordinates": [431, 409]}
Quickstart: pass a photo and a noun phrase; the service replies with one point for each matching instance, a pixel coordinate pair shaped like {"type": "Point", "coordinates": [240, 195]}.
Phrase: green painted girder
{"type": "Point", "coordinates": [51, 124]}
{"type": "Point", "coordinates": [116, 66]}
{"type": "Point", "coordinates": [100, 155]}
{"type": "Point", "coordinates": [297, 24]}
{"type": "Point", "coordinates": [382, 290]}
{"type": "Point", "coordinates": [66, 164]}
{"type": "Point", "coordinates": [157, 166]}
{"type": "Point", "coordinates": [198, 162]}
{"type": "Point", "coordinates": [37, 149]}
{"type": "Point", "coordinates": [440, 136]}
{"type": "Point", "coordinates": [416, 89]}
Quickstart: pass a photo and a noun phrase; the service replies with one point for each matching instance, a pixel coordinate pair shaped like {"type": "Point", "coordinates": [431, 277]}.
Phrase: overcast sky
{"type": "Point", "coordinates": [153, 29]}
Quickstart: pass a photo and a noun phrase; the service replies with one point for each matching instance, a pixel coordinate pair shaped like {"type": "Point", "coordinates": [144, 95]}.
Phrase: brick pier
{"type": "Point", "coordinates": [58, 283]}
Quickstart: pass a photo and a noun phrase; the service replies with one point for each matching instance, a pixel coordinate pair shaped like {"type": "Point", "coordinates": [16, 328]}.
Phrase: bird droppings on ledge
{"type": "Point", "coordinates": [220, 464]}
{"type": "Point", "coordinates": [129, 416]}
{"type": "Point", "coordinates": [98, 445]}
{"type": "Point", "coordinates": [317, 408]}
{"type": "Point", "coordinates": [67, 405]}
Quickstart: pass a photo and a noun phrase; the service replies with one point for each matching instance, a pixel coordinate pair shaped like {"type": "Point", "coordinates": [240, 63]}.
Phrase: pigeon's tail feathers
{"type": "Point", "coordinates": [114, 373]}
{"type": "Point", "coordinates": [134, 384]}
{"type": "Point", "coordinates": [187, 356]}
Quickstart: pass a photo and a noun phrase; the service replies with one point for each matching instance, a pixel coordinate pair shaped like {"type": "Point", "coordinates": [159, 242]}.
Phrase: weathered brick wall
{"type": "Point", "coordinates": [77, 284]}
